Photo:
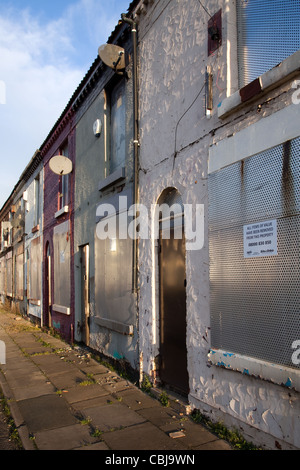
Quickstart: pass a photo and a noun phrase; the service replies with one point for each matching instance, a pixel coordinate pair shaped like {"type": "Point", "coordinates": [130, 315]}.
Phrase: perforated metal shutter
{"type": "Point", "coordinates": [255, 302]}
{"type": "Point", "coordinates": [268, 32]}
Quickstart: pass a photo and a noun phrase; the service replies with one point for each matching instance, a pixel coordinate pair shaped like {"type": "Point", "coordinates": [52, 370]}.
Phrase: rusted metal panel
{"type": "Point", "coordinates": [173, 351]}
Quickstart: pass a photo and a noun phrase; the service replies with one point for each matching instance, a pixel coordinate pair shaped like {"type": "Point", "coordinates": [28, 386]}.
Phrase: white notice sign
{"type": "Point", "coordinates": [260, 239]}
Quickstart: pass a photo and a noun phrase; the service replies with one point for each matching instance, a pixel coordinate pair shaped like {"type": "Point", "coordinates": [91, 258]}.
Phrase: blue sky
{"type": "Point", "coordinates": [46, 47]}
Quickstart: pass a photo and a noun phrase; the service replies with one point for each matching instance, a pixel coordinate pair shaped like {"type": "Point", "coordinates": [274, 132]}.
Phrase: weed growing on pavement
{"type": "Point", "coordinates": [86, 421]}
{"type": "Point", "coordinates": [97, 433]}
{"type": "Point", "coordinates": [13, 432]}
{"type": "Point", "coordinates": [232, 436]}
{"type": "Point", "coordinates": [90, 380]}
{"type": "Point", "coordinates": [164, 399]}
{"type": "Point", "coordinates": [146, 385]}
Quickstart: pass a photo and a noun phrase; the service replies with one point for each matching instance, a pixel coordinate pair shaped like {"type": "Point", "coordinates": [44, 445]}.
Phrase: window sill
{"type": "Point", "coordinates": [63, 210]}
{"type": "Point", "coordinates": [112, 179]}
{"type": "Point", "coordinates": [35, 302]}
{"type": "Point", "coordinates": [61, 309]}
{"type": "Point", "coordinates": [119, 327]}
{"type": "Point", "coordinates": [270, 79]}
{"type": "Point", "coordinates": [274, 373]}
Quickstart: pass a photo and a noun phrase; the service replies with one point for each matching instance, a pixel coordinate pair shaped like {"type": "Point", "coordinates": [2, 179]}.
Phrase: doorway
{"type": "Point", "coordinates": [85, 293]}
{"type": "Point", "coordinates": [172, 284]}
{"type": "Point", "coordinates": [48, 296]}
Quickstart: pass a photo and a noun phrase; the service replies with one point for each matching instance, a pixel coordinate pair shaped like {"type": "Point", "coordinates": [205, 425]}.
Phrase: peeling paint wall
{"type": "Point", "coordinates": [175, 137]}
{"type": "Point", "coordinates": [112, 306]}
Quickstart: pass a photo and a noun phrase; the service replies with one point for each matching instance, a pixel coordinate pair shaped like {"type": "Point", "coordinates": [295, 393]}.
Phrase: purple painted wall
{"type": "Point", "coordinates": [64, 133]}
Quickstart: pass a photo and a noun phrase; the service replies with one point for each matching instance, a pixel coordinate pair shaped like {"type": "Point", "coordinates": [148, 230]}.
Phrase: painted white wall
{"type": "Point", "coordinates": [173, 60]}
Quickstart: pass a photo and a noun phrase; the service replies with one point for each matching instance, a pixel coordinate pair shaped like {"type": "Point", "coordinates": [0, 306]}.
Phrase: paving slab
{"type": "Point", "coordinates": [33, 391]}
{"type": "Point", "coordinates": [25, 379]}
{"type": "Point", "coordinates": [64, 438]}
{"type": "Point", "coordinates": [159, 416]}
{"type": "Point", "coordinates": [112, 416]}
{"type": "Point", "coordinates": [46, 412]}
{"type": "Point", "coordinates": [136, 399]}
{"type": "Point", "coordinates": [67, 380]}
{"type": "Point", "coordinates": [193, 434]}
{"type": "Point", "coordinates": [105, 400]}
{"type": "Point", "coordinates": [97, 446]}
{"type": "Point", "coordinates": [143, 436]}
{"type": "Point", "coordinates": [91, 367]}
{"type": "Point", "coordinates": [128, 418]}
{"type": "Point", "coordinates": [53, 364]}
{"type": "Point", "coordinates": [218, 444]}
{"type": "Point", "coordinates": [84, 393]}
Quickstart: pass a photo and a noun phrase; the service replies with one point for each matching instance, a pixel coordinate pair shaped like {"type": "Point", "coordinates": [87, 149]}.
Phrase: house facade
{"type": "Point", "coordinates": [106, 298]}
{"type": "Point", "coordinates": [33, 238]}
{"type": "Point", "coordinates": [219, 139]}
{"type": "Point", "coordinates": [172, 244]}
{"type": "Point", "coordinates": [58, 251]}
{"type": "Point", "coordinates": [21, 232]}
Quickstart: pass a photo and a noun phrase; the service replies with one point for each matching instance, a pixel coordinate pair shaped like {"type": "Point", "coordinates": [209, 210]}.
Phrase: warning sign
{"type": "Point", "coordinates": [260, 239]}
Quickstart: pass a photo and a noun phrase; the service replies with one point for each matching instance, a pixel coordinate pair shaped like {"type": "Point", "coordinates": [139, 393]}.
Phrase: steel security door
{"type": "Point", "coordinates": [173, 352]}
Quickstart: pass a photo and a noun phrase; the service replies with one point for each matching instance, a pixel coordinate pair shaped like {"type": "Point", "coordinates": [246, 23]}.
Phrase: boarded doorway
{"type": "Point", "coordinates": [172, 280]}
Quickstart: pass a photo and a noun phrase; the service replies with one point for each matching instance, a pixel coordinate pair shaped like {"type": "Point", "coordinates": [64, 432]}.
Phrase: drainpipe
{"type": "Point", "coordinates": [133, 25]}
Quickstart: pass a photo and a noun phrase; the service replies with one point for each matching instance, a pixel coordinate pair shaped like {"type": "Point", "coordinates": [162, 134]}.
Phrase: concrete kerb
{"type": "Point", "coordinates": [21, 426]}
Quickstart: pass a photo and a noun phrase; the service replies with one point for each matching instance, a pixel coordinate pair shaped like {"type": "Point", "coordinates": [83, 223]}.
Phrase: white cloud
{"type": "Point", "coordinates": [42, 63]}
{"type": "Point", "coordinates": [39, 80]}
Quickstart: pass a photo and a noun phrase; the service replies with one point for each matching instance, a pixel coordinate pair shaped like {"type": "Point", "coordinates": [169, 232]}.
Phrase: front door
{"type": "Point", "coordinates": [173, 350]}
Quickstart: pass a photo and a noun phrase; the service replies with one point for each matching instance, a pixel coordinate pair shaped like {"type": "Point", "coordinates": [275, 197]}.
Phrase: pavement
{"type": "Point", "coordinates": [62, 398]}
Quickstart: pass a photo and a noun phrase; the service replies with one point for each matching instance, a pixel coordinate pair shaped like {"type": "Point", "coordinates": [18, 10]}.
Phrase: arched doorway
{"type": "Point", "coordinates": [172, 290]}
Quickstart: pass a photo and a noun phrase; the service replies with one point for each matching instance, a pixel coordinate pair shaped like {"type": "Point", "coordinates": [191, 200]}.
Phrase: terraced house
{"type": "Point", "coordinates": [185, 130]}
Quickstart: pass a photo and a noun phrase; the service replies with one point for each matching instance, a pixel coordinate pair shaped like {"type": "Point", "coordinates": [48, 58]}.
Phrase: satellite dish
{"type": "Point", "coordinates": [113, 56]}
{"type": "Point", "coordinates": [61, 165]}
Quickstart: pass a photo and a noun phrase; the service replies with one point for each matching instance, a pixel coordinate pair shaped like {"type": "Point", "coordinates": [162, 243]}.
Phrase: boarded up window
{"type": "Point", "coordinates": [35, 270]}
{"type": "Point", "coordinates": [254, 255]}
{"type": "Point", "coordinates": [268, 32]}
{"type": "Point", "coordinates": [62, 269]}
{"type": "Point", "coordinates": [2, 275]}
{"type": "Point", "coordinates": [113, 271]}
{"type": "Point", "coordinates": [20, 275]}
{"type": "Point", "coordinates": [117, 127]}
{"type": "Point", "coordinates": [9, 275]}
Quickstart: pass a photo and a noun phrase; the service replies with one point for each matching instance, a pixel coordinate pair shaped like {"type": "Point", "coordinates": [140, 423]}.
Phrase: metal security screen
{"type": "Point", "coordinates": [35, 270]}
{"type": "Point", "coordinates": [255, 299]}
{"type": "Point", "coordinates": [268, 32]}
{"type": "Point", "coordinates": [62, 268]}
{"type": "Point", "coordinates": [2, 275]}
{"type": "Point", "coordinates": [113, 275]}
{"type": "Point", "coordinates": [9, 275]}
{"type": "Point", "coordinates": [19, 276]}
